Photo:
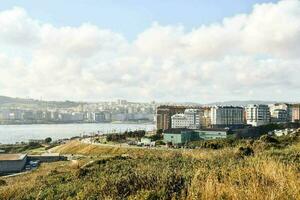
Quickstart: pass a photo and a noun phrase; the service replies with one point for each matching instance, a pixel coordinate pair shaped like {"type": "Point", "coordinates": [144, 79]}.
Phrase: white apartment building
{"type": "Point", "coordinates": [226, 116]}
{"type": "Point", "coordinates": [257, 115]}
{"type": "Point", "coordinates": [193, 117]}
{"type": "Point", "coordinates": [189, 119]}
{"type": "Point", "coordinates": [279, 116]}
{"type": "Point", "coordinates": [279, 107]}
{"type": "Point", "coordinates": [179, 121]}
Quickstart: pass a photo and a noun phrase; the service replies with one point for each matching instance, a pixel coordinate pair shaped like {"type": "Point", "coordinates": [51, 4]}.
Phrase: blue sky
{"type": "Point", "coordinates": [131, 17]}
{"type": "Point", "coordinates": [104, 50]}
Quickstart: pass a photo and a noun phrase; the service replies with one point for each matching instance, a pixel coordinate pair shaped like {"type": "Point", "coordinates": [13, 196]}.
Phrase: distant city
{"type": "Point", "coordinates": [233, 115]}
{"type": "Point", "coordinates": [221, 116]}
{"type": "Point", "coordinates": [22, 111]}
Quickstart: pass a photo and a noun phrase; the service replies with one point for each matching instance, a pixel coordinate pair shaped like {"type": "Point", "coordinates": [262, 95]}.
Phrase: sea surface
{"type": "Point", "coordinates": [10, 134]}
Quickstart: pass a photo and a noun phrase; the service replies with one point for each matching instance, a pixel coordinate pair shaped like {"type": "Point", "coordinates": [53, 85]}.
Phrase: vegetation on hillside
{"type": "Point", "coordinates": [268, 168]}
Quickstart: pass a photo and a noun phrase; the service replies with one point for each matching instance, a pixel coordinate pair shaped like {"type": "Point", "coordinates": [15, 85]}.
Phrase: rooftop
{"type": "Point", "coordinates": [176, 130]}
{"type": "Point", "coordinates": [4, 157]}
{"type": "Point", "coordinates": [212, 129]}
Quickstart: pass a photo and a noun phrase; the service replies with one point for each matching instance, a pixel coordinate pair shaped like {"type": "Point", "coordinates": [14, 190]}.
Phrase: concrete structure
{"type": "Point", "coordinates": [258, 115]}
{"type": "Point", "coordinates": [190, 119]}
{"type": "Point", "coordinates": [205, 117]}
{"type": "Point", "coordinates": [47, 157]}
{"type": "Point", "coordinates": [178, 136]}
{"type": "Point", "coordinates": [40, 141]}
{"type": "Point", "coordinates": [193, 117]}
{"type": "Point", "coordinates": [146, 142]}
{"type": "Point", "coordinates": [279, 116]}
{"type": "Point", "coordinates": [283, 107]}
{"type": "Point", "coordinates": [11, 163]}
{"type": "Point", "coordinates": [163, 115]}
{"type": "Point", "coordinates": [296, 113]}
{"type": "Point", "coordinates": [227, 116]}
{"type": "Point", "coordinates": [183, 136]}
{"type": "Point", "coordinates": [211, 134]}
{"type": "Point", "coordinates": [179, 121]}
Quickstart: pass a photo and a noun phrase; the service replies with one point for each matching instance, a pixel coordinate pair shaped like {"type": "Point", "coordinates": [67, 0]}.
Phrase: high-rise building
{"type": "Point", "coordinates": [194, 118]}
{"type": "Point", "coordinates": [190, 119]}
{"type": "Point", "coordinates": [278, 109]}
{"type": "Point", "coordinates": [257, 115]}
{"type": "Point", "coordinates": [296, 113]}
{"type": "Point", "coordinates": [163, 115]}
{"type": "Point", "coordinates": [205, 117]}
{"type": "Point", "coordinates": [179, 121]}
{"type": "Point", "coordinates": [227, 116]}
{"type": "Point", "coordinates": [279, 116]}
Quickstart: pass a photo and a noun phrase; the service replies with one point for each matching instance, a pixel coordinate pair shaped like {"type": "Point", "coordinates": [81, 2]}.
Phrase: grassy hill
{"type": "Point", "coordinates": [9, 102]}
{"type": "Point", "coordinates": [262, 169]}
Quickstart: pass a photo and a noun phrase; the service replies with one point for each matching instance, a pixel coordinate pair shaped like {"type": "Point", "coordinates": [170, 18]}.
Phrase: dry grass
{"type": "Point", "coordinates": [163, 174]}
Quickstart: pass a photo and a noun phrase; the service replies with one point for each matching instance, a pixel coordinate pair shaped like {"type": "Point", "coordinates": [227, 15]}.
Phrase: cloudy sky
{"type": "Point", "coordinates": [171, 51]}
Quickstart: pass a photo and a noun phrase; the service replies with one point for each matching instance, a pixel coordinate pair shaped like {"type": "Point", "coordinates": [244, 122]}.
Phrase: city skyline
{"type": "Point", "coordinates": [246, 52]}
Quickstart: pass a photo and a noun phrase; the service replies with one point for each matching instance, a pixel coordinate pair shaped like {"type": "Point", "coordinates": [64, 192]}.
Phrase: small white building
{"type": "Point", "coordinates": [282, 132]}
{"type": "Point", "coordinates": [146, 142]}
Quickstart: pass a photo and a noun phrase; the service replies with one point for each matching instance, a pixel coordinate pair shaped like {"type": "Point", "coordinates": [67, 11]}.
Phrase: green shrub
{"type": "Point", "coordinates": [2, 182]}
{"type": "Point", "coordinates": [160, 142]}
{"type": "Point", "coordinates": [244, 151]}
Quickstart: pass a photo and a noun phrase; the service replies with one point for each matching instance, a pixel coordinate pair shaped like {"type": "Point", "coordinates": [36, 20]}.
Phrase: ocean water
{"type": "Point", "coordinates": [10, 134]}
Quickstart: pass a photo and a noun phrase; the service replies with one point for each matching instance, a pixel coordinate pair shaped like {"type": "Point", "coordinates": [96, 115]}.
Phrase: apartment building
{"type": "Point", "coordinates": [164, 114]}
{"type": "Point", "coordinates": [189, 119]}
{"type": "Point", "coordinates": [296, 113]}
{"type": "Point", "coordinates": [258, 115]}
{"type": "Point", "coordinates": [226, 116]}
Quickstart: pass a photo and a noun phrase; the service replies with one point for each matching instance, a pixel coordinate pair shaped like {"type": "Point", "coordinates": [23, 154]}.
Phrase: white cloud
{"type": "Point", "coordinates": [248, 56]}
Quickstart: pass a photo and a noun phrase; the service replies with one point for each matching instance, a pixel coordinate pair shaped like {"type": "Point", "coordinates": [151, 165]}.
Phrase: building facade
{"type": "Point", "coordinates": [258, 115]}
{"type": "Point", "coordinates": [279, 116]}
{"type": "Point", "coordinates": [281, 109]}
{"type": "Point", "coordinates": [296, 113]}
{"type": "Point", "coordinates": [226, 116]}
{"type": "Point", "coordinates": [11, 163]}
{"type": "Point", "coordinates": [184, 136]}
{"type": "Point", "coordinates": [179, 121]}
{"type": "Point", "coordinates": [164, 114]}
{"type": "Point", "coordinates": [189, 119]}
{"type": "Point", "coordinates": [205, 117]}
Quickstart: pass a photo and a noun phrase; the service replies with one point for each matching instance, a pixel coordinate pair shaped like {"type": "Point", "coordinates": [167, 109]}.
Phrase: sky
{"type": "Point", "coordinates": [172, 50]}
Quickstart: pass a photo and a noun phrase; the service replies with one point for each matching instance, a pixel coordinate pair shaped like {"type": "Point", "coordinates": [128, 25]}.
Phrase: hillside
{"type": "Point", "coordinates": [270, 172]}
{"type": "Point", "coordinates": [10, 102]}
{"type": "Point", "coordinates": [241, 103]}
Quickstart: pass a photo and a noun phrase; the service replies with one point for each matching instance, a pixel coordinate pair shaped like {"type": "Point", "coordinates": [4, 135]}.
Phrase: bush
{"type": "Point", "coordinates": [2, 182]}
{"type": "Point", "coordinates": [160, 142]}
{"type": "Point", "coordinates": [245, 151]}
{"type": "Point", "coordinates": [135, 134]}
{"type": "Point", "coordinates": [156, 137]}
{"type": "Point", "coordinates": [48, 140]}
{"type": "Point", "coordinates": [268, 139]}
{"type": "Point", "coordinates": [115, 137]}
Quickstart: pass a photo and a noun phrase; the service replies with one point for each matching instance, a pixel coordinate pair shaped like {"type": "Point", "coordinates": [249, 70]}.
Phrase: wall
{"type": "Point", "coordinates": [208, 135]}
{"type": "Point", "coordinates": [46, 158]}
{"type": "Point", "coordinates": [173, 138]}
{"type": "Point", "coordinates": [9, 166]}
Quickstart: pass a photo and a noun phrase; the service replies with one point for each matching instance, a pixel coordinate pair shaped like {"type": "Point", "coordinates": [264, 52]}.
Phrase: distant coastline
{"type": "Point", "coordinates": [49, 123]}
{"type": "Point", "coordinates": [10, 134]}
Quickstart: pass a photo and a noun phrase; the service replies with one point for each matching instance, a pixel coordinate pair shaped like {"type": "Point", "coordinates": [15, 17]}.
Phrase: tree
{"type": "Point", "coordinates": [159, 132]}
{"type": "Point", "coordinates": [48, 140]}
